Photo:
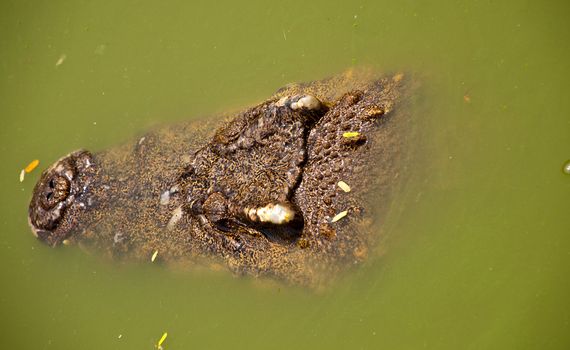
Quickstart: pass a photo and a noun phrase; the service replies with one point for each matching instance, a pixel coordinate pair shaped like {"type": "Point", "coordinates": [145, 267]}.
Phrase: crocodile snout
{"type": "Point", "coordinates": [59, 196]}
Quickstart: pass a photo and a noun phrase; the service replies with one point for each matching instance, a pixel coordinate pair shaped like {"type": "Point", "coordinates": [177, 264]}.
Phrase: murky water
{"type": "Point", "coordinates": [478, 252]}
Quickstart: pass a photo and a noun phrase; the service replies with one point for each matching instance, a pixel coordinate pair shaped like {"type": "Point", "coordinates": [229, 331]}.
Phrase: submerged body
{"type": "Point", "coordinates": [282, 189]}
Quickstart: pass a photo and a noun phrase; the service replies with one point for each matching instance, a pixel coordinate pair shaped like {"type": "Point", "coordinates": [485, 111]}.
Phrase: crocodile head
{"type": "Point", "coordinates": [258, 191]}
{"type": "Point", "coordinates": [60, 197]}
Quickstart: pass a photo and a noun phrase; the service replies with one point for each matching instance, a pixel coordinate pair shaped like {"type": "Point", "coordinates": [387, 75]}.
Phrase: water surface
{"type": "Point", "coordinates": [478, 250]}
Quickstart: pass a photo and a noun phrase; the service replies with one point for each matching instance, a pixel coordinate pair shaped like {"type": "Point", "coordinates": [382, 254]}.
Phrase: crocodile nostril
{"type": "Point", "coordinates": [55, 192]}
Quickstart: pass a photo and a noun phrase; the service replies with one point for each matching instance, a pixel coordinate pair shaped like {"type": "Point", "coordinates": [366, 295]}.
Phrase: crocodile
{"type": "Point", "coordinates": [287, 189]}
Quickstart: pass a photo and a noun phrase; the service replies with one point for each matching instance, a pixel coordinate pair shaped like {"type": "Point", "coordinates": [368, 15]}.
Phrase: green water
{"type": "Point", "coordinates": [479, 248]}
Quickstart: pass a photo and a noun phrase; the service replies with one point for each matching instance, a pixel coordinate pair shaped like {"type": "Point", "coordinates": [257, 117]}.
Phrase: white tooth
{"type": "Point", "coordinates": [275, 214]}
{"type": "Point", "coordinates": [309, 102]}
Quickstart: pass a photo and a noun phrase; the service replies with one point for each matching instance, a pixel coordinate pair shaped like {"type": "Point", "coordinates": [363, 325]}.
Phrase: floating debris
{"type": "Point", "coordinates": [353, 138]}
{"type": "Point", "coordinates": [162, 339]}
{"type": "Point", "coordinates": [30, 167]}
{"type": "Point", "coordinates": [119, 336]}
{"type": "Point", "coordinates": [100, 50]}
{"type": "Point", "coordinates": [61, 60]}
{"type": "Point", "coordinates": [141, 140]}
{"type": "Point", "coordinates": [374, 113]}
{"type": "Point", "coordinates": [343, 186]}
{"type": "Point", "coordinates": [176, 216]}
{"type": "Point", "coordinates": [66, 242]}
{"type": "Point", "coordinates": [165, 197]}
{"type": "Point", "coordinates": [351, 134]}
{"type": "Point", "coordinates": [339, 216]}
{"type": "Point", "coordinates": [398, 77]}
{"type": "Point", "coordinates": [154, 255]}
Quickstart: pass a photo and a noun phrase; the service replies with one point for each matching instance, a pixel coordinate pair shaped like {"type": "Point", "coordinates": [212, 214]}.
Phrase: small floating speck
{"type": "Point", "coordinates": [154, 255]}
{"type": "Point", "coordinates": [350, 134]}
{"type": "Point", "coordinates": [33, 164]}
{"type": "Point", "coordinates": [343, 186]}
{"type": "Point", "coordinates": [119, 336]}
{"type": "Point", "coordinates": [142, 140]}
{"type": "Point", "coordinates": [100, 50]}
{"type": "Point", "coordinates": [165, 197]}
{"type": "Point", "coordinates": [176, 216]}
{"type": "Point", "coordinates": [162, 339]}
{"type": "Point", "coordinates": [398, 77]}
{"type": "Point", "coordinates": [66, 242]}
{"type": "Point", "coordinates": [339, 216]}
{"type": "Point", "coordinates": [22, 175]}
{"type": "Point", "coordinates": [61, 60]}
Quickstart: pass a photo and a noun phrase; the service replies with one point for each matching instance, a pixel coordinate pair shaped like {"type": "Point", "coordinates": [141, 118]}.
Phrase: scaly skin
{"type": "Point", "coordinates": [257, 191]}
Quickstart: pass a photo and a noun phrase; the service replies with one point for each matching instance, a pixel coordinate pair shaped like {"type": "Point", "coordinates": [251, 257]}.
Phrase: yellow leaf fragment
{"type": "Point", "coordinates": [343, 186]}
{"type": "Point", "coordinates": [162, 339]}
{"type": "Point", "coordinates": [339, 216]}
{"type": "Point", "coordinates": [61, 59]}
{"type": "Point", "coordinates": [154, 255]}
{"type": "Point", "coordinates": [350, 134]}
{"type": "Point", "coordinates": [33, 164]}
{"type": "Point", "coordinates": [22, 175]}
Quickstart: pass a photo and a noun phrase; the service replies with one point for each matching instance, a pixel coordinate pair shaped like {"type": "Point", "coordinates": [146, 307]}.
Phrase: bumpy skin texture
{"type": "Point", "coordinates": [193, 191]}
